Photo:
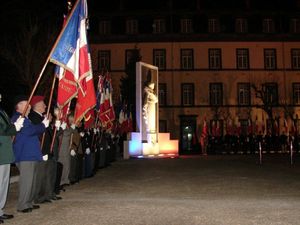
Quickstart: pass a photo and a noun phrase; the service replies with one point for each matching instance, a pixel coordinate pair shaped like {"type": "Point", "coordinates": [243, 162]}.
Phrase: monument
{"type": "Point", "coordinates": [147, 141]}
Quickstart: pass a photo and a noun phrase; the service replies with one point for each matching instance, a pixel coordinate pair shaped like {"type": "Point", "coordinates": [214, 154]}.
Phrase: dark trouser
{"type": "Point", "coordinates": [59, 168]}
{"type": "Point", "coordinates": [51, 178]}
{"type": "Point", "coordinates": [39, 187]}
{"type": "Point", "coordinates": [88, 165]}
{"type": "Point", "coordinates": [97, 160]}
{"type": "Point", "coordinates": [73, 175]}
{"type": "Point", "coordinates": [80, 165]}
{"type": "Point", "coordinates": [26, 182]}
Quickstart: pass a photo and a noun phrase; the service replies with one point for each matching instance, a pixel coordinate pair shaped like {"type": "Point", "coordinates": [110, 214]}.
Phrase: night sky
{"type": "Point", "coordinates": [15, 17]}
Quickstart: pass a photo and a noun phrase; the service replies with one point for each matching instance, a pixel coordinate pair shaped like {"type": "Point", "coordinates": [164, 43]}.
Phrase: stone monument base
{"type": "Point", "coordinates": [135, 147]}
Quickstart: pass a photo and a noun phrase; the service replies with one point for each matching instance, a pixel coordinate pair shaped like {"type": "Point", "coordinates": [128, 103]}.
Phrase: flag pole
{"type": "Point", "coordinates": [49, 104]}
{"type": "Point", "coordinates": [48, 59]}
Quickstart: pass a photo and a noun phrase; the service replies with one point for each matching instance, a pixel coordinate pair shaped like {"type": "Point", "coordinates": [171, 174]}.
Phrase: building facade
{"type": "Point", "coordinates": [235, 64]}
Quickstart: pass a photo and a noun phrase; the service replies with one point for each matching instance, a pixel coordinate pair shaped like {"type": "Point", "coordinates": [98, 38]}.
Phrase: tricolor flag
{"type": "Point", "coordinates": [67, 86]}
{"type": "Point", "coordinates": [104, 105]}
{"type": "Point", "coordinates": [72, 54]}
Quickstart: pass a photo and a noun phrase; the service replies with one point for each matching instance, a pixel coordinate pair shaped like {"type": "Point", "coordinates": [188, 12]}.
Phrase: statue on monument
{"type": "Point", "coordinates": [149, 111]}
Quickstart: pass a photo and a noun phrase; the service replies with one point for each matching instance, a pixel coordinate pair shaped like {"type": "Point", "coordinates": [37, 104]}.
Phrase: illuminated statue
{"type": "Point", "coordinates": [149, 112]}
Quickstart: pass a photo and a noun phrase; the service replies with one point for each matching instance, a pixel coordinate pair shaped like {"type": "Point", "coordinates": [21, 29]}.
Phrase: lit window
{"type": "Point", "coordinates": [268, 25]}
{"type": "Point", "coordinates": [271, 92]}
{"type": "Point", "coordinates": [159, 26]}
{"type": "Point", "coordinates": [270, 59]}
{"type": "Point", "coordinates": [186, 26]}
{"type": "Point", "coordinates": [103, 60]}
{"type": "Point", "coordinates": [187, 94]}
{"type": "Point", "coordinates": [296, 93]}
{"type": "Point", "coordinates": [216, 94]}
{"type": "Point", "coordinates": [295, 25]}
{"type": "Point", "coordinates": [241, 25]}
{"type": "Point", "coordinates": [187, 59]}
{"type": "Point", "coordinates": [105, 27]}
{"type": "Point", "coordinates": [213, 25]}
{"type": "Point", "coordinates": [243, 93]}
{"type": "Point", "coordinates": [242, 59]}
{"type": "Point", "coordinates": [215, 62]}
{"type": "Point", "coordinates": [295, 53]}
{"type": "Point", "coordinates": [131, 26]}
{"type": "Point", "coordinates": [159, 58]}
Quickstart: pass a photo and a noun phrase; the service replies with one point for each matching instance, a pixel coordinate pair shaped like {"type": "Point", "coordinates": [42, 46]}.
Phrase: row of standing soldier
{"type": "Point", "coordinates": [68, 154]}
{"type": "Point", "coordinates": [249, 144]}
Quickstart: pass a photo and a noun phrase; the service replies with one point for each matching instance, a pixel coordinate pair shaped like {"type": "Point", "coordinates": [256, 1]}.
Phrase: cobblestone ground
{"type": "Point", "coordinates": [213, 190]}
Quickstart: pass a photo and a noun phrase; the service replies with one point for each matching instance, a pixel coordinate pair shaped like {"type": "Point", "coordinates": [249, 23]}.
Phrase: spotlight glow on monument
{"type": "Point", "coordinates": [147, 141]}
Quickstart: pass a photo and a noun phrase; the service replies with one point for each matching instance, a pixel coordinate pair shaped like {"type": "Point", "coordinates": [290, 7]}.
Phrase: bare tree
{"type": "Point", "coordinates": [28, 51]}
{"type": "Point", "coordinates": [268, 102]}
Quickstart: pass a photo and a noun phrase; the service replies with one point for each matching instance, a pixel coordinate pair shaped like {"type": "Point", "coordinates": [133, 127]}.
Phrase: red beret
{"type": "Point", "coordinates": [35, 99]}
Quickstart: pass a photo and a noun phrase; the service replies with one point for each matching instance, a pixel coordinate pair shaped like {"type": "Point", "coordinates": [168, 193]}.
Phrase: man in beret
{"type": "Point", "coordinates": [43, 192]}
{"type": "Point", "coordinates": [27, 152]}
{"type": "Point", "coordinates": [7, 130]}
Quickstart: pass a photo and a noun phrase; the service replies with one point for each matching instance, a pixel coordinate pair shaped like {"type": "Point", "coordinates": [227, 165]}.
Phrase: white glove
{"type": "Point", "coordinates": [95, 130]}
{"type": "Point", "coordinates": [57, 124]}
{"type": "Point", "coordinates": [45, 157]}
{"type": "Point", "coordinates": [19, 123]}
{"type": "Point", "coordinates": [63, 125]}
{"type": "Point", "coordinates": [87, 151]}
{"type": "Point", "coordinates": [81, 134]}
{"type": "Point", "coordinates": [73, 153]}
{"type": "Point", "coordinates": [46, 122]}
{"type": "Point", "coordinates": [73, 126]}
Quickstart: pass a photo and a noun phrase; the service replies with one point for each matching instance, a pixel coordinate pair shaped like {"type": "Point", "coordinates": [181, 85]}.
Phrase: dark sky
{"type": "Point", "coordinates": [14, 15]}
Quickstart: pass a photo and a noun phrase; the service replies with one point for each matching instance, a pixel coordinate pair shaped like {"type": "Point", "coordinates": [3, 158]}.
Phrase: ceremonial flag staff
{"type": "Point", "coordinates": [47, 60]}
{"type": "Point", "coordinates": [49, 105]}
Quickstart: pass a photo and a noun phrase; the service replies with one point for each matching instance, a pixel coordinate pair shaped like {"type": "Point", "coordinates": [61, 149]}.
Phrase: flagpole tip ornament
{"type": "Point", "coordinates": [69, 5]}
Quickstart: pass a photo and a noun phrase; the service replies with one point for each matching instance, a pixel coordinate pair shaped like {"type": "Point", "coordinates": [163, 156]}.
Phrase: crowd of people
{"type": "Point", "coordinates": [48, 153]}
{"type": "Point", "coordinates": [251, 143]}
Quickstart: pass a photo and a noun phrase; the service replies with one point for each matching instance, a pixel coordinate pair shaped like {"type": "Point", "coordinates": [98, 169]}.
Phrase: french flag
{"type": "Point", "coordinates": [72, 53]}
{"type": "Point", "coordinates": [67, 51]}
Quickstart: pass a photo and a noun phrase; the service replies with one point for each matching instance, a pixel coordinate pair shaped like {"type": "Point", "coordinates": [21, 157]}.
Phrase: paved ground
{"type": "Point", "coordinates": [216, 190]}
